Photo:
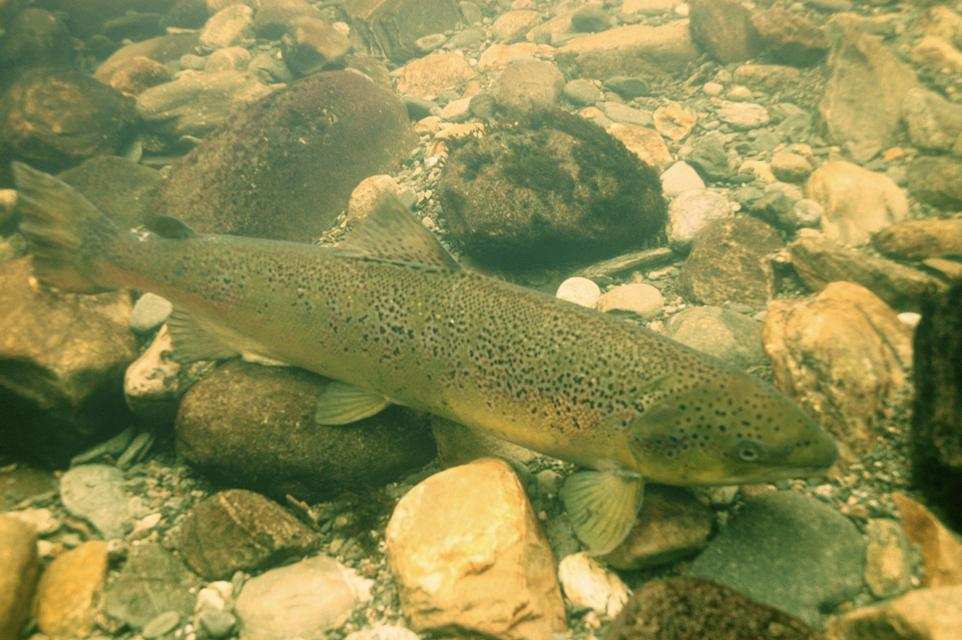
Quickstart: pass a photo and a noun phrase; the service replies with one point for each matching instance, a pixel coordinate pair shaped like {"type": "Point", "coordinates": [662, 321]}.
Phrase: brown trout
{"type": "Point", "coordinates": [392, 318]}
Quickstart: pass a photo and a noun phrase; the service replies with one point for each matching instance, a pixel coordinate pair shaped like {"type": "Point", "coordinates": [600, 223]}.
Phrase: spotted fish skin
{"type": "Point", "coordinates": [544, 373]}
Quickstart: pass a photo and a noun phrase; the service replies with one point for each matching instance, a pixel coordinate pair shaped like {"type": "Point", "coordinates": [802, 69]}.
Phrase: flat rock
{"type": "Point", "coordinates": [119, 187]}
{"type": "Point", "coordinates": [69, 591]}
{"type": "Point", "coordinates": [723, 29]}
{"type": "Point", "coordinates": [920, 239]}
{"type": "Point", "coordinates": [56, 119]}
{"type": "Point", "coordinates": [254, 426]}
{"type": "Point", "coordinates": [488, 569]}
{"type": "Point", "coordinates": [230, 26]}
{"type": "Point", "coordinates": [862, 104]}
{"type": "Point", "coordinates": [687, 608]}
{"type": "Point", "coordinates": [788, 551]}
{"type": "Point", "coordinates": [674, 120]}
{"type": "Point", "coordinates": [743, 115]}
{"type": "Point", "coordinates": [511, 26]}
{"type": "Point", "coordinates": [925, 614]}
{"type": "Point", "coordinates": [647, 144]}
{"type": "Point", "coordinates": [434, 74]}
{"type": "Point", "coordinates": [680, 177]}
{"type": "Point", "coordinates": [855, 202]}
{"type": "Point", "coordinates": [18, 557]}
{"type": "Point", "coordinates": [940, 548]}
{"type": "Point", "coordinates": [639, 298]}
{"type": "Point", "coordinates": [728, 263]}
{"type": "Point", "coordinates": [498, 55]}
{"type": "Point", "coordinates": [844, 355]}
{"type": "Point", "coordinates": [671, 525]}
{"type": "Point", "coordinates": [274, 18]}
{"type": "Point", "coordinates": [723, 333]}
{"type": "Point", "coordinates": [261, 177]}
{"type": "Point", "coordinates": [529, 85]}
{"type": "Point", "coordinates": [589, 585]}
{"type": "Point", "coordinates": [304, 600]}
{"type": "Point", "coordinates": [163, 49]}
{"type": "Point", "coordinates": [819, 261]}
{"type": "Point", "coordinates": [392, 27]}
{"type": "Point", "coordinates": [151, 583]}
{"type": "Point", "coordinates": [937, 181]}
{"type": "Point", "coordinates": [240, 530]}
{"type": "Point", "coordinates": [632, 50]}
{"type": "Point", "coordinates": [95, 492]}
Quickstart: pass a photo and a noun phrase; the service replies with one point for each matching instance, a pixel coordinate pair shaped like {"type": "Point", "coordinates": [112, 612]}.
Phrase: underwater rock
{"type": "Point", "coordinates": [95, 492]}
{"type": "Point", "coordinates": [937, 181]}
{"type": "Point", "coordinates": [365, 196]}
{"type": "Point", "coordinates": [728, 263]}
{"type": "Point", "coordinates": [933, 123]}
{"type": "Point", "coordinates": [18, 557]}
{"type": "Point", "coordinates": [862, 104]}
{"type": "Point", "coordinates": [512, 25]}
{"type": "Point", "coordinates": [163, 49]}
{"type": "Point", "coordinates": [314, 45]}
{"type": "Point", "coordinates": [458, 444]}
{"type": "Point", "coordinates": [637, 49]}
{"type": "Point", "coordinates": [119, 187]}
{"type": "Point", "coordinates": [940, 548]}
{"type": "Point", "coordinates": [819, 261]}
{"type": "Point", "coordinates": [790, 167]}
{"type": "Point", "coordinates": [690, 212]}
{"type": "Point", "coordinates": [240, 530]}
{"type": "Point", "coordinates": [508, 203]}
{"type": "Point", "coordinates": [152, 582]}
{"type": "Point", "coordinates": [582, 92]}
{"type": "Point", "coordinates": [589, 585]}
{"type": "Point", "coordinates": [743, 115]}
{"type": "Point", "coordinates": [639, 298]}
{"type": "Point", "coordinates": [89, 17]}
{"type": "Point", "coordinates": [888, 562]}
{"type": "Point", "coordinates": [196, 104]}
{"type": "Point", "coordinates": [186, 14]}
{"type": "Point", "coordinates": [529, 85]}
{"type": "Point", "coordinates": [230, 26]}
{"type": "Point", "coordinates": [674, 120]}
{"type": "Point", "coordinates": [150, 311]}
{"type": "Point", "coordinates": [274, 18]}
{"type": "Point", "coordinates": [646, 144]}
{"type": "Point", "coordinates": [391, 27]}
{"type": "Point", "coordinates": [55, 119]}
{"type": "Point", "coordinates": [497, 56]}
{"type": "Point", "coordinates": [254, 426]}
{"type": "Point", "coordinates": [383, 632]}
{"type": "Point", "coordinates": [680, 177]}
{"type": "Point", "coordinates": [788, 551]}
{"type": "Point", "coordinates": [62, 358]}
{"type": "Point", "coordinates": [435, 73]}
{"type": "Point", "coordinates": [919, 239]}
{"type": "Point", "coordinates": [469, 555]}
{"type": "Point", "coordinates": [35, 38]}
{"type": "Point", "coordinates": [709, 157]}
{"type": "Point", "coordinates": [671, 525]}
{"type": "Point", "coordinates": [24, 483]}
{"type": "Point", "coordinates": [855, 202]}
{"type": "Point", "coordinates": [688, 608]}
{"type": "Point", "coordinates": [844, 355]}
{"type": "Point", "coordinates": [285, 166]}
{"type": "Point", "coordinates": [69, 591]}
{"type": "Point", "coordinates": [924, 614]}
{"type": "Point", "coordinates": [723, 29]}
{"type": "Point", "coordinates": [789, 37]}
{"type": "Point", "coordinates": [305, 600]}
{"type": "Point", "coordinates": [581, 291]}
{"type": "Point", "coordinates": [723, 333]}
{"type": "Point", "coordinates": [135, 75]}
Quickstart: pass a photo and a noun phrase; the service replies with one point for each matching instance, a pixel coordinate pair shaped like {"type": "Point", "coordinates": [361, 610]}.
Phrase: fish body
{"type": "Point", "coordinates": [390, 315]}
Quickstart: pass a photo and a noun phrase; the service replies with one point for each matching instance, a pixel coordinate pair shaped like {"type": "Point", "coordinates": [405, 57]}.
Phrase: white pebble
{"type": "Point", "coordinates": [580, 291]}
{"type": "Point", "coordinates": [680, 177]}
{"type": "Point", "coordinates": [910, 318]}
{"type": "Point", "coordinates": [637, 297]}
{"type": "Point", "coordinates": [588, 584]}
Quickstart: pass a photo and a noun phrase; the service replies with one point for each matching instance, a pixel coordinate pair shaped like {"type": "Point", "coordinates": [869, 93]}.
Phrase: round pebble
{"type": "Point", "coordinates": [580, 291]}
{"type": "Point", "coordinates": [582, 92]}
{"type": "Point", "coordinates": [637, 297]}
{"type": "Point", "coordinates": [149, 313]}
{"type": "Point", "coordinates": [680, 177]}
{"type": "Point", "coordinates": [161, 625]}
{"type": "Point", "coordinates": [217, 623]}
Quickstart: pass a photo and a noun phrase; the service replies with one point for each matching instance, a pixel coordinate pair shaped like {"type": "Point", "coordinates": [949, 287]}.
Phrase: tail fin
{"type": "Point", "coordinates": [67, 235]}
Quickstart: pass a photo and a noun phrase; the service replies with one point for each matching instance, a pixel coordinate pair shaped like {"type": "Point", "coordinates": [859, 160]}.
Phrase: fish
{"type": "Point", "coordinates": [391, 317]}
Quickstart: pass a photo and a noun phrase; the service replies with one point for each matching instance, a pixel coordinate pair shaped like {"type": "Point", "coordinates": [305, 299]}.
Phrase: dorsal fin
{"type": "Point", "coordinates": [391, 234]}
{"type": "Point", "coordinates": [168, 227]}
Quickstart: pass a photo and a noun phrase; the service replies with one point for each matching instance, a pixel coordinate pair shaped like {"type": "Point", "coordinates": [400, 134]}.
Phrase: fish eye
{"type": "Point", "coordinates": [748, 451]}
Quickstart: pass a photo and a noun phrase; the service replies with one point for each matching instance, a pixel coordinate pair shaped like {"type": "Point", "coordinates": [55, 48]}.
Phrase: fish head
{"type": "Point", "coordinates": [727, 429]}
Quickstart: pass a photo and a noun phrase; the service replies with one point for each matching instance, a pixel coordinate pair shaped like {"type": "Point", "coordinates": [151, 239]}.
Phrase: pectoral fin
{"type": "Point", "coordinates": [192, 343]}
{"type": "Point", "coordinates": [341, 403]}
{"type": "Point", "coordinates": [602, 507]}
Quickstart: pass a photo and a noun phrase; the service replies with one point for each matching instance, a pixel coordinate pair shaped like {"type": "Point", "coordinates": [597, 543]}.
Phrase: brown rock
{"type": "Point", "coordinates": [672, 524]}
{"type": "Point", "coordinates": [925, 614]}
{"type": "Point", "coordinates": [647, 144]}
{"type": "Point", "coordinates": [35, 38]}
{"type": "Point", "coordinates": [18, 557]}
{"type": "Point", "coordinates": [855, 202]}
{"type": "Point", "coordinates": [632, 49]}
{"type": "Point", "coordinates": [276, 17]}
{"type": "Point", "coordinates": [789, 37]}
{"type": "Point", "coordinates": [950, 270]}
{"type": "Point", "coordinates": [918, 239]}
{"type": "Point", "coordinates": [862, 104]}
{"type": "Point", "coordinates": [728, 263]}
{"type": "Point", "coordinates": [688, 608]}
{"type": "Point", "coordinates": [314, 45]}
{"type": "Point", "coordinates": [888, 564]}
{"type": "Point", "coordinates": [844, 355]}
{"type": "Point", "coordinates": [771, 77]}
{"type": "Point", "coordinates": [498, 55]}
{"type": "Point", "coordinates": [434, 74]}
{"type": "Point", "coordinates": [941, 549]}
{"type": "Point", "coordinates": [69, 591]}
{"type": "Point", "coordinates": [135, 75]}
{"type": "Point", "coordinates": [391, 27]}
{"type": "Point", "coordinates": [162, 49]}
{"type": "Point", "coordinates": [723, 29]}
{"type": "Point", "coordinates": [933, 123]}
{"type": "Point", "coordinates": [937, 181]}
{"type": "Point", "coordinates": [55, 119]}
{"type": "Point", "coordinates": [62, 361]}
{"type": "Point", "coordinates": [529, 85]}
{"type": "Point", "coordinates": [512, 25]}
{"type": "Point", "coordinates": [469, 556]}
{"type": "Point", "coordinates": [24, 483]}
{"type": "Point", "coordinates": [819, 261]}
{"type": "Point", "coordinates": [240, 530]}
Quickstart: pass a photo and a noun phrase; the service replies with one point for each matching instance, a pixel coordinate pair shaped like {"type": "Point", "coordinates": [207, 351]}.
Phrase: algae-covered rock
{"type": "Point", "coordinates": [285, 166]}
{"type": "Point", "coordinates": [553, 188]}
{"type": "Point", "coordinates": [254, 426]}
{"type": "Point", "coordinates": [119, 187]}
{"type": "Point", "coordinates": [391, 27]}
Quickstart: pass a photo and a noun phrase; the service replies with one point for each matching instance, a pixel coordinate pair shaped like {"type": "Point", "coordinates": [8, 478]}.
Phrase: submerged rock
{"type": "Point", "coordinates": [35, 38]}
{"type": "Point", "coordinates": [119, 187]}
{"type": "Point", "coordinates": [919, 239]}
{"type": "Point", "coordinates": [18, 557]}
{"type": "Point", "coordinates": [392, 27]}
{"type": "Point", "coordinates": [940, 548]}
{"type": "Point", "coordinates": [162, 49]}
{"type": "Point", "coordinates": [587, 584]}
{"type": "Point", "coordinates": [69, 592]}
{"type": "Point", "coordinates": [720, 332]}
{"type": "Point", "coordinates": [925, 614]}
{"type": "Point", "coordinates": [724, 30]}
{"type": "Point", "coordinates": [152, 582]}
{"type": "Point", "coordinates": [95, 492]}
{"type": "Point", "coordinates": [285, 166]}
{"type": "Point", "coordinates": [508, 203]}
{"type": "Point", "coordinates": [937, 181]}
{"type": "Point", "coordinates": [469, 556]}
{"type": "Point", "coordinates": [637, 49]}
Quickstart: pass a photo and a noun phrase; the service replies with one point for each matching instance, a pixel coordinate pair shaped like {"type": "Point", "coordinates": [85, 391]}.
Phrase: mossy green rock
{"type": "Point", "coordinates": [788, 551]}
{"type": "Point", "coordinates": [253, 426]}
{"type": "Point", "coordinates": [285, 166]}
{"type": "Point", "coordinates": [550, 188]}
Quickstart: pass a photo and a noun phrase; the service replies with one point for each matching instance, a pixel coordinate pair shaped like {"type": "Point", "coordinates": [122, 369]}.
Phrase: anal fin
{"type": "Point", "coordinates": [192, 343]}
{"type": "Point", "coordinates": [602, 507]}
{"type": "Point", "coordinates": [341, 403]}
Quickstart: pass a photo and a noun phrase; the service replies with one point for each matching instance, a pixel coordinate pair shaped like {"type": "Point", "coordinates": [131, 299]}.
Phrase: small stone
{"type": "Point", "coordinates": [229, 26]}
{"type": "Point", "coordinates": [18, 557]}
{"type": "Point", "coordinates": [466, 39]}
{"type": "Point", "coordinates": [498, 55]}
{"type": "Point", "coordinates": [713, 88]}
{"type": "Point", "coordinates": [620, 112]}
{"type": "Point", "coordinates": [365, 196]}
{"type": "Point", "coordinates": [690, 212]}
{"type": "Point", "coordinates": [582, 92]}
{"type": "Point", "coordinates": [150, 311]}
{"type": "Point", "coordinates": [645, 143]}
{"type": "Point", "coordinates": [674, 121]}
{"type": "Point", "coordinates": [740, 93]}
{"type": "Point", "coordinates": [790, 167]}
{"type": "Point", "coordinates": [217, 624]}
{"type": "Point", "coordinates": [589, 585]}
{"type": "Point", "coordinates": [789, 37]}
{"type": "Point", "coordinates": [96, 493]}
{"type": "Point", "coordinates": [680, 177]}
{"type": "Point", "coordinates": [314, 45]}
{"type": "Point", "coordinates": [581, 291]}
{"type": "Point", "coordinates": [708, 155]}
{"type": "Point", "coordinates": [152, 582]}
{"type": "Point", "coordinates": [628, 87]}
{"type": "Point", "coordinates": [806, 213]}
{"type": "Point", "coordinates": [888, 568]}
{"type": "Point", "coordinates": [744, 115]}
{"type": "Point", "coordinates": [69, 591]}
{"type": "Point", "coordinates": [304, 600]}
{"type": "Point", "coordinates": [457, 110]}
{"type": "Point", "coordinates": [529, 85]}
{"type": "Point", "coordinates": [941, 549]}
{"type": "Point", "coordinates": [228, 59]}
{"type": "Point", "coordinates": [933, 123]}
{"type": "Point", "coordinates": [433, 74]}
{"type": "Point", "coordinates": [639, 298]}
{"type": "Point", "coordinates": [161, 625]}
{"type": "Point", "coordinates": [723, 29]}
{"type": "Point", "coordinates": [723, 333]}
{"type": "Point", "coordinates": [429, 43]}
{"type": "Point", "coordinates": [924, 614]}
{"type": "Point", "coordinates": [512, 25]}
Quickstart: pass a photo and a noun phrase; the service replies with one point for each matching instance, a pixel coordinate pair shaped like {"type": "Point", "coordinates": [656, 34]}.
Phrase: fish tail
{"type": "Point", "coordinates": [68, 236]}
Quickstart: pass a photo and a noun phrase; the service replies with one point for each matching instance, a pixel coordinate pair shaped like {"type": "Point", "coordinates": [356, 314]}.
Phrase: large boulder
{"type": "Point", "coordinates": [554, 188]}
{"type": "Point", "coordinates": [18, 556]}
{"type": "Point", "coordinates": [391, 27]}
{"type": "Point", "coordinates": [724, 30]}
{"type": "Point", "coordinates": [35, 38]}
{"type": "Point", "coordinates": [62, 361]}
{"type": "Point", "coordinates": [285, 166]}
{"type": "Point", "coordinates": [119, 187]}
{"type": "Point", "coordinates": [254, 427]}
{"type": "Point", "coordinates": [55, 119]}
